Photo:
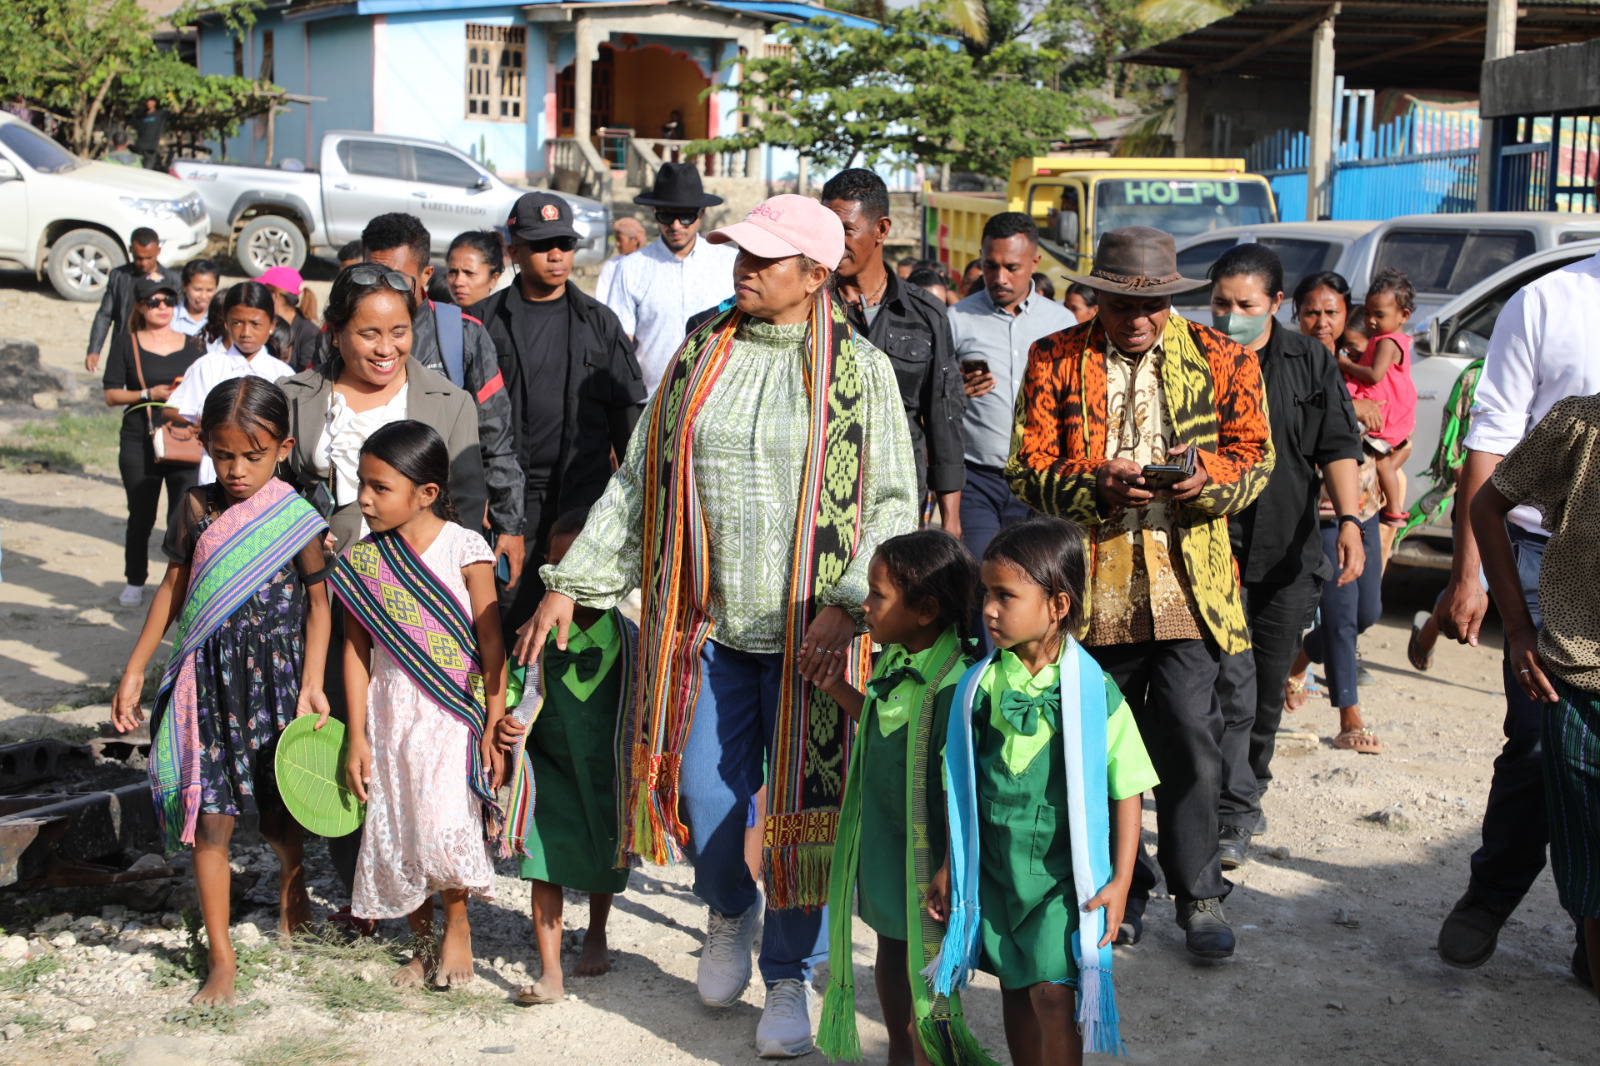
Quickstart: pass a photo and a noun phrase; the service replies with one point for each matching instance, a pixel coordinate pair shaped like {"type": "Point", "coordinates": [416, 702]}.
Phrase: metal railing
{"type": "Point", "coordinates": [646, 154]}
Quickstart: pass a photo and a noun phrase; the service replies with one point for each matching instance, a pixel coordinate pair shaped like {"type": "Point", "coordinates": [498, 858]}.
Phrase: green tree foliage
{"type": "Point", "coordinates": [82, 60]}
{"type": "Point", "coordinates": [845, 97]}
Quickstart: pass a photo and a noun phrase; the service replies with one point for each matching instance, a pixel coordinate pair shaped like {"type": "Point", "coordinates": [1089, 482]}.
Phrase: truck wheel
{"type": "Point", "coordinates": [80, 260]}
{"type": "Point", "coordinates": [267, 241]}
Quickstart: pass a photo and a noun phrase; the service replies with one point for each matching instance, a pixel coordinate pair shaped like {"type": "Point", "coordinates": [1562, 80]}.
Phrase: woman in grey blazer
{"type": "Point", "coordinates": [368, 381]}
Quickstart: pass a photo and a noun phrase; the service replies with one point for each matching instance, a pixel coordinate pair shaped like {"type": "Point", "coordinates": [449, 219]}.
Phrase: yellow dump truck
{"type": "Point", "coordinates": [1075, 200]}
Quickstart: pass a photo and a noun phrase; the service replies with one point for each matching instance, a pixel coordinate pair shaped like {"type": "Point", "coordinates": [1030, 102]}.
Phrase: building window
{"type": "Point", "coordinates": [496, 78]}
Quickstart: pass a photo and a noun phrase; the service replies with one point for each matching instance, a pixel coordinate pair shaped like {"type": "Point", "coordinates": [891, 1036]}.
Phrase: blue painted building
{"type": "Point", "coordinates": [495, 80]}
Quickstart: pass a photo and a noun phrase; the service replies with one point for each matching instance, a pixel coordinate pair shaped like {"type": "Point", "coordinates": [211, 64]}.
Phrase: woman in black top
{"type": "Point", "coordinates": [1286, 559]}
{"type": "Point", "coordinates": [164, 354]}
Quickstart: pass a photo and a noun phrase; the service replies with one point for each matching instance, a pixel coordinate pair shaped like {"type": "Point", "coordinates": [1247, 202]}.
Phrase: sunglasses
{"type": "Point", "coordinates": [158, 300]}
{"type": "Point", "coordinates": [557, 244]}
{"type": "Point", "coordinates": [685, 218]}
{"type": "Point", "coordinates": [366, 275]}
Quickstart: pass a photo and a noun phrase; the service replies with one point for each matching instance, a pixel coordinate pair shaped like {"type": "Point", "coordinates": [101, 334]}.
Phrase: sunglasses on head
{"type": "Point", "coordinates": [558, 244]}
{"type": "Point", "coordinates": [686, 218]}
{"type": "Point", "coordinates": [368, 275]}
{"type": "Point", "coordinates": [161, 299]}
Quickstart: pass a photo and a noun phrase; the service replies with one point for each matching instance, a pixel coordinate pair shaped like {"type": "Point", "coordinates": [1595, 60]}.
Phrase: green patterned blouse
{"type": "Point", "coordinates": [749, 445]}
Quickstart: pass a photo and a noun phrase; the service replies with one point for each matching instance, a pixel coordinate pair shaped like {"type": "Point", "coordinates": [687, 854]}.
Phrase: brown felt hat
{"type": "Point", "coordinates": [1138, 261]}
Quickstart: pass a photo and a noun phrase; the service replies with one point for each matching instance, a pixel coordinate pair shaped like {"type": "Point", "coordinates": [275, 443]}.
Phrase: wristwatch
{"type": "Point", "coordinates": [144, 394]}
{"type": "Point", "coordinates": [1349, 518]}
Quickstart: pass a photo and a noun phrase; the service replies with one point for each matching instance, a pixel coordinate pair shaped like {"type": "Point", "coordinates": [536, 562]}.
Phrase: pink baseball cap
{"type": "Point", "coordinates": [787, 225]}
{"type": "Point", "coordinates": [285, 278]}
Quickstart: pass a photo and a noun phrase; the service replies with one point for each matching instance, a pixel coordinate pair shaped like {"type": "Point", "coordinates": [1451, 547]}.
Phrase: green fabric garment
{"type": "Point", "coordinates": [602, 635]}
{"type": "Point", "coordinates": [573, 841]}
{"type": "Point", "coordinates": [749, 447]}
{"type": "Point", "coordinates": [1025, 890]}
{"type": "Point", "coordinates": [881, 874]}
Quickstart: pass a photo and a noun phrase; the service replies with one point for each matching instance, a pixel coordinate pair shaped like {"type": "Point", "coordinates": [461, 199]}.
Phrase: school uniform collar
{"type": "Point", "coordinates": [894, 709]}
{"type": "Point", "coordinates": [603, 635]}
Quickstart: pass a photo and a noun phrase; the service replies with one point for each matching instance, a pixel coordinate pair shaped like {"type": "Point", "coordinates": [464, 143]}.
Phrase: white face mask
{"type": "Point", "coordinates": [1242, 329]}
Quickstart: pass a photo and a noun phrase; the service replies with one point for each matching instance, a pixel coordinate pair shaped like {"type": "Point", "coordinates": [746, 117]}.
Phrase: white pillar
{"type": "Point", "coordinates": [584, 54]}
{"type": "Point", "coordinates": [801, 174]}
{"type": "Point", "coordinates": [1319, 158]}
{"type": "Point", "coordinates": [1499, 41]}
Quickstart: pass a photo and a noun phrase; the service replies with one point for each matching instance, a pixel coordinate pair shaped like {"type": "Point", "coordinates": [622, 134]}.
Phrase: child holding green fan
{"type": "Point", "coordinates": [892, 822]}
{"type": "Point", "coordinates": [243, 583]}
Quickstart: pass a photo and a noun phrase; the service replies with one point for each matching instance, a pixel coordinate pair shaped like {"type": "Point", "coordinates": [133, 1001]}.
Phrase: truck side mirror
{"type": "Point", "coordinates": [482, 183]}
{"type": "Point", "coordinates": [8, 171]}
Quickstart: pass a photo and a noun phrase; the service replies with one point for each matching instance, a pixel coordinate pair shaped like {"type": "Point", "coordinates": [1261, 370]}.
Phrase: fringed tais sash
{"type": "Point", "coordinates": [242, 548]}
{"type": "Point", "coordinates": [941, 1028]}
{"type": "Point", "coordinates": [1083, 736]}
{"type": "Point", "coordinates": [519, 817]}
{"type": "Point", "coordinates": [810, 744]}
{"type": "Point", "coordinates": [407, 609]}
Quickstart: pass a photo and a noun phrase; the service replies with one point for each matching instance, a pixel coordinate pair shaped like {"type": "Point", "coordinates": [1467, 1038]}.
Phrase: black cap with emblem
{"type": "Point", "coordinates": [539, 216]}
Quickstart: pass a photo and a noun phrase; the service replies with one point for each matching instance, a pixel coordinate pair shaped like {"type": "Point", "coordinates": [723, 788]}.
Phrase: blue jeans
{"type": "Point", "coordinates": [1347, 612]}
{"type": "Point", "coordinates": [1515, 827]}
{"type": "Point", "coordinates": [734, 719]}
{"type": "Point", "coordinates": [987, 507]}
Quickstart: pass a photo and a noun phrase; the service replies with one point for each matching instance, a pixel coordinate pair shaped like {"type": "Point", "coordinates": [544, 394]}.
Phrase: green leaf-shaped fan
{"type": "Point", "coordinates": [310, 768]}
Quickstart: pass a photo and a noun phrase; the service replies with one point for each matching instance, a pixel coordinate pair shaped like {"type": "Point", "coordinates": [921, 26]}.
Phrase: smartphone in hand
{"type": "Point", "coordinates": [974, 366]}
{"type": "Point", "coordinates": [1166, 475]}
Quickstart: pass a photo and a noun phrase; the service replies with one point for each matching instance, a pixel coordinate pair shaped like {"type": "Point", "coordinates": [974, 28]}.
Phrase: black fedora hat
{"type": "Point", "coordinates": [1138, 261]}
{"type": "Point", "coordinates": [677, 185]}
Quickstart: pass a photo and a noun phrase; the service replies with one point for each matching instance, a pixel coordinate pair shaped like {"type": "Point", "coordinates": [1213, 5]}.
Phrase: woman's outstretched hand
{"type": "Point", "coordinates": [555, 612]}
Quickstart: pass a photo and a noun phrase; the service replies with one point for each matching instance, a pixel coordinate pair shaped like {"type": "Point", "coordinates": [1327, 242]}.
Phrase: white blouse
{"type": "Point", "coordinates": [338, 451]}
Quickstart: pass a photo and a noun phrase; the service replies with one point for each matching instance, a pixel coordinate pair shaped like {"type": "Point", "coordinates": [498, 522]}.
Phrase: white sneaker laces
{"type": "Point", "coordinates": [722, 936]}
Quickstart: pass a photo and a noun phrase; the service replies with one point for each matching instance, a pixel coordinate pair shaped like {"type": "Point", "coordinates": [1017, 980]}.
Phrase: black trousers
{"type": "Point", "coordinates": [519, 601]}
{"type": "Point", "coordinates": [1168, 685]}
{"type": "Point", "coordinates": [1250, 693]}
{"type": "Point", "coordinates": [142, 479]}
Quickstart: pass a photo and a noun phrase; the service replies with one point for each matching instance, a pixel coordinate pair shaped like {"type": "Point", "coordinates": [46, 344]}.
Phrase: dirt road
{"type": "Point", "coordinates": [1336, 962]}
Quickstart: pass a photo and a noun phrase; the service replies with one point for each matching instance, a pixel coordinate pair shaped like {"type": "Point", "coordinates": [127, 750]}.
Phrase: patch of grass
{"type": "Point", "coordinates": [328, 943]}
{"type": "Point", "coordinates": [218, 1019]}
{"type": "Point", "coordinates": [303, 1051]}
{"type": "Point", "coordinates": [22, 977]}
{"type": "Point", "coordinates": [31, 1021]}
{"type": "Point", "coordinates": [67, 442]}
{"type": "Point", "coordinates": [347, 993]}
{"type": "Point", "coordinates": [192, 962]}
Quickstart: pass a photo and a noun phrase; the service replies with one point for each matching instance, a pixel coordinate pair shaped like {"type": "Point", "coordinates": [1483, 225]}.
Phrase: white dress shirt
{"type": "Point", "coordinates": [211, 370]}
{"type": "Point", "coordinates": [654, 294]}
{"type": "Point", "coordinates": [189, 326]}
{"type": "Point", "coordinates": [1546, 345]}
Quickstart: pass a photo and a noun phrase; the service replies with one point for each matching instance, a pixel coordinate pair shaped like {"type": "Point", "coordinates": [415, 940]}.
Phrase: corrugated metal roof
{"type": "Point", "coordinates": [1436, 44]}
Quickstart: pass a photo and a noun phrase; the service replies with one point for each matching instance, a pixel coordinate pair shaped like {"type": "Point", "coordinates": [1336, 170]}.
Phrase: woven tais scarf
{"type": "Point", "coordinates": [811, 740]}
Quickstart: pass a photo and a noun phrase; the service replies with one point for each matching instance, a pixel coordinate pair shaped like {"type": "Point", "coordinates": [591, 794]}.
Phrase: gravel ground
{"type": "Point", "coordinates": [1336, 914]}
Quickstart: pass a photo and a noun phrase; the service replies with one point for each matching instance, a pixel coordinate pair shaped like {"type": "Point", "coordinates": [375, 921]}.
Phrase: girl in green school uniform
{"type": "Point", "coordinates": [891, 821]}
{"type": "Point", "coordinates": [571, 752]}
{"type": "Point", "coordinates": [1045, 769]}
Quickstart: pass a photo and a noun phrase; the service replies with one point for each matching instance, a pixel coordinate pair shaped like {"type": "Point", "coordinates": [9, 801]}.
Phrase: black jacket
{"type": "Point", "coordinates": [913, 330]}
{"type": "Point", "coordinates": [604, 391]}
{"type": "Point", "coordinates": [117, 304]}
{"type": "Point", "coordinates": [1277, 538]}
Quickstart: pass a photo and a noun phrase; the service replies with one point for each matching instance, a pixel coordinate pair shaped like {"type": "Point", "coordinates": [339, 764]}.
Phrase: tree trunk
{"type": "Point", "coordinates": [83, 129]}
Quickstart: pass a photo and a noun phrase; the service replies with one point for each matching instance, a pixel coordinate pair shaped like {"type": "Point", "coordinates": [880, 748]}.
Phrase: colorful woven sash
{"type": "Point", "coordinates": [430, 636]}
{"type": "Point", "coordinates": [1083, 736]}
{"type": "Point", "coordinates": [242, 548]}
{"type": "Point", "coordinates": [519, 818]}
{"type": "Point", "coordinates": [941, 1028]}
{"type": "Point", "coordinates": [811, 739]}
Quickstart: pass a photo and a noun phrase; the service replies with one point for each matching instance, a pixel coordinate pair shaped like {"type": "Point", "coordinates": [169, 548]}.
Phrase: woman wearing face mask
{"type": "Point", "coordinates": [1282, 561]}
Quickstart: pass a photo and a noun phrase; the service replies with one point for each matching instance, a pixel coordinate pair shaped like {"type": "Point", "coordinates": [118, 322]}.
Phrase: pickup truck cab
{"type": "Point", "coordinates": [275, 216]}
{"type": "Point", "coordinates": [1075, 201]}
{"type": "Point", "coordinates": [70, 218]}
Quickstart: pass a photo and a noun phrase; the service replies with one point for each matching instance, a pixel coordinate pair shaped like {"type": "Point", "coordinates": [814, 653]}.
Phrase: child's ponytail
{"type": "Point", "coordinates": [418, 454]}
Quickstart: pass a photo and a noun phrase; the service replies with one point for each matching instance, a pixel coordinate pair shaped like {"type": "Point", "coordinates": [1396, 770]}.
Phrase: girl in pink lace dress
{"type": "Point", "coordinates": [425, 676]}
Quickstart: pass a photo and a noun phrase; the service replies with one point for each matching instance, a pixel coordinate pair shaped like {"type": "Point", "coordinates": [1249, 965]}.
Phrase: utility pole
{"type": "Point", "coordinates": [1499, 41]}
{"type": "Point", "coordinates": [1319, 157]}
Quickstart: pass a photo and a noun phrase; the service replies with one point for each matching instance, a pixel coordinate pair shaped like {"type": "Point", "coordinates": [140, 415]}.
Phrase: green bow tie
{"type": "Point", "coordinates": [880, 687]}
{"type": "Point", "coordinates": [587, 661]}
{"type": "Point", "coordinates": [1023, 710]}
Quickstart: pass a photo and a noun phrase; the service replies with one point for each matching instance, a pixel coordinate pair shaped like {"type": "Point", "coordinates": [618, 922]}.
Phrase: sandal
{"type": "Point", "coordinates": [1414, 653]}
{"type": "Point", "coordinates": [1362, 741]}
{"type": "Point", "coordinates": [1302, 687]}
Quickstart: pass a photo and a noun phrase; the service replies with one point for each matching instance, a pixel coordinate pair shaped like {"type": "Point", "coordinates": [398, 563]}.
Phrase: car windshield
{"type": "Point", "coordinates": [1181, 206]}
{"type": "Point", "coordinates": [1451, 261]}
{"type": "Point", "coordinates": [37, 150]}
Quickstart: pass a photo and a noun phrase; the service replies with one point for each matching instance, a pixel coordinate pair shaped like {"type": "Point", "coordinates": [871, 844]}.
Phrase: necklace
{"type": "Point", "coordinates": [871, 299]}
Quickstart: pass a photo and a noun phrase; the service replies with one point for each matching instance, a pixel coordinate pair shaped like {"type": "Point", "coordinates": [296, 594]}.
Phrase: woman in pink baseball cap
{"type": "Point", "coordinates": [772, 462]}
{"type": "Point", "coordinates": [297, 306]}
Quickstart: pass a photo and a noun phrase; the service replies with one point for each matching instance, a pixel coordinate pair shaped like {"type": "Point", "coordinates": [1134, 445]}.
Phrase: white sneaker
{"type": "Point", "coordinates": [132, 596]}
{"type": "Point", "coordinates": [724, 970]}
{"type": "Point", "coordinates": [785, 1028]}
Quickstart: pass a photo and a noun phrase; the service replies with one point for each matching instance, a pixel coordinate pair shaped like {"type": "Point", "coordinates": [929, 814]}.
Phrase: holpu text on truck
{"type": "Point", "coordinates": [1075, 200]}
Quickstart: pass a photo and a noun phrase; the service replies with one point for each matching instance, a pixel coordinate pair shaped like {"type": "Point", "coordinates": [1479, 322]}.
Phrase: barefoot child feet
{"type": "Point", "coordinates": [1047, 740]}
{"type": "Point", "coordinates": [244, 583]}
{"type": "Point", "coordinates": [575, 698]}
{"type": "Point", "coordinates": [919, 598]}
{"type": "Point", "coordinates": [423, 700]}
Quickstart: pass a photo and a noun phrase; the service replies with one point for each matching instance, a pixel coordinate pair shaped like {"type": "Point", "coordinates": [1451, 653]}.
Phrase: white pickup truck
{"type": "Point", "coordinates": [71, 218]}
{"type": "Point", "coordinates": [274, 216]}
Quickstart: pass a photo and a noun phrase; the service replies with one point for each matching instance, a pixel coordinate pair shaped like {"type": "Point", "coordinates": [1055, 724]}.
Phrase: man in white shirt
{"type": "Point", "coordinates": [655, 291]}
{"type": "Point", "coordinates": [1543, 349]}
{"type": "Point", "coordinates": [631, 237]}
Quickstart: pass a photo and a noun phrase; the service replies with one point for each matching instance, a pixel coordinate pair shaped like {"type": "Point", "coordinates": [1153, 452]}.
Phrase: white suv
{"type": "Point", "coordinates": [71, 218]}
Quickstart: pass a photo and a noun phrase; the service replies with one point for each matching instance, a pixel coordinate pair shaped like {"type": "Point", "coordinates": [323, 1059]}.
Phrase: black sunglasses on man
{"type": "Point", "coordinates": [684, 217]}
